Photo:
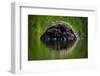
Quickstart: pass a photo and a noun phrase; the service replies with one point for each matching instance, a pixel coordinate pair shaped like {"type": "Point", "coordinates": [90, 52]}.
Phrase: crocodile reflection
{"type": "Point", "coordinates": [59, 45]}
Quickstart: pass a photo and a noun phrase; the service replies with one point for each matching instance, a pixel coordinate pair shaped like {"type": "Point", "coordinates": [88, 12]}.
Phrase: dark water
{"type": "Point", "coordinates": [40, 50]}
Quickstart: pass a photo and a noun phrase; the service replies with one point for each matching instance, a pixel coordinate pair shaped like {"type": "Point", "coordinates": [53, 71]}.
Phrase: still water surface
{"type": "Point", "coordinates": [40, 50]}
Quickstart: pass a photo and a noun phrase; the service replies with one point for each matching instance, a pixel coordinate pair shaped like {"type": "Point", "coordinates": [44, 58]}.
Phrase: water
{"type": "Point", "coordinates": [39, 50]}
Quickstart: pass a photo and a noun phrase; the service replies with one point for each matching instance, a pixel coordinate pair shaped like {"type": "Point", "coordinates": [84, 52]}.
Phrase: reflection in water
{"type": "Point", "coordinates": [60, 48]}
{"type": "Point", "coordinates": [59, 45]}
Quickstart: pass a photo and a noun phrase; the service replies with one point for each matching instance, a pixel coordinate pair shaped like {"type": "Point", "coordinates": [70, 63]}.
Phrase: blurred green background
{"type": "Point", "coordinates": [37, 25]}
